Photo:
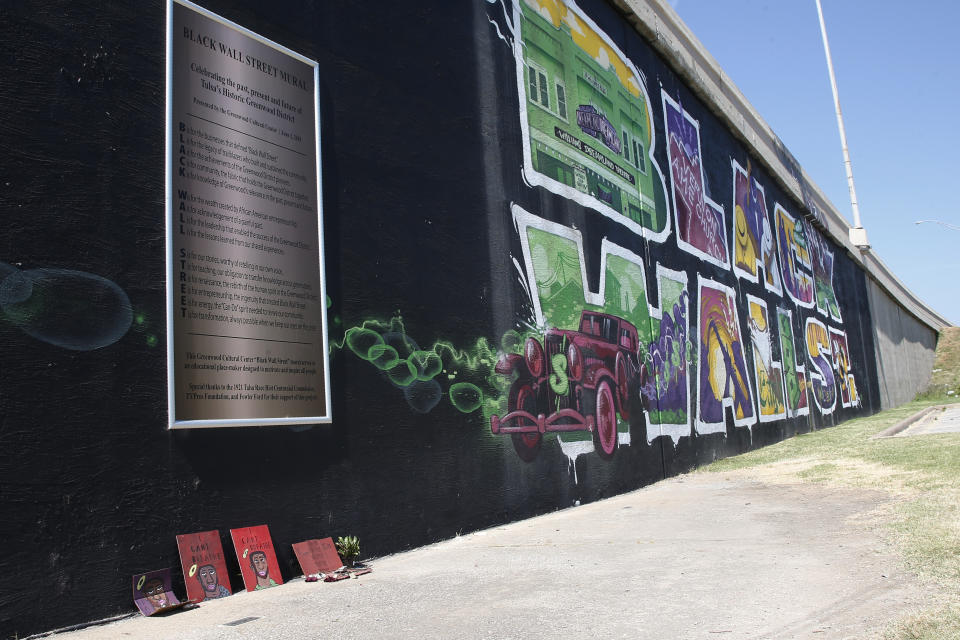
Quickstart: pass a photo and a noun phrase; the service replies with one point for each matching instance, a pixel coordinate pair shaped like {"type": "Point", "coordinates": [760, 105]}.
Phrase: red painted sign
{"type": "Point", "coordinates": [204, 567]}
{"type": "Point", "coordinates": [317, 556]}
{"type": "Point", "coordinates": [258, 562]}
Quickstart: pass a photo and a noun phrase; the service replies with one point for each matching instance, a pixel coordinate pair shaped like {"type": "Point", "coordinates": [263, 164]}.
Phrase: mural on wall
{"type": "Point", "coordinates": [573, 113]}
{"type": "Point", "coordinates": [795, 379]}
{"type": "Point", "coordinates": [700, 221]}
{"type": "Point", "coordinates": [768, 373]}
{"type": "Point", "coordinates": [587, 128]}
{"type": "Point", "coordinates": [583, 366]}
{"type": "Point", "coordinates": [752, 238]}
{"type": "Point", "coordinates": [721, 365]}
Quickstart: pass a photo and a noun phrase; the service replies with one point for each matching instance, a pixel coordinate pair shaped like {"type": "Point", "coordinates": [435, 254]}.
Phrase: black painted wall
{"type": "Point", "coordinates": [421, 161]}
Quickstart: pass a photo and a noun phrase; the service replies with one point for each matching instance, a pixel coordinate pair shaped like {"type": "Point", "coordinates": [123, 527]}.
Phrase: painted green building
{"type": "Point", "coordinates": [586, 129]}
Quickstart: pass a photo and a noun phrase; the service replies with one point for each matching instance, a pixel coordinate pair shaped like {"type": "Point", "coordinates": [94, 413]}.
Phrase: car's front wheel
{"type": "Point", "coordinates": [523, 398]}
{"type": "Point", "coordinates": [605, 431]}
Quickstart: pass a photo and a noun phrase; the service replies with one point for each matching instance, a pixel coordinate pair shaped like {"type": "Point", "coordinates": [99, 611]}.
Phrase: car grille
{"type": "Point", "coordinates": [554, 346]}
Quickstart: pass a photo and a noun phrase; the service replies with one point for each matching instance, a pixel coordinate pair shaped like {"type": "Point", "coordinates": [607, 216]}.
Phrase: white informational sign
{"type": "Point", "coordinates": [247, 329]}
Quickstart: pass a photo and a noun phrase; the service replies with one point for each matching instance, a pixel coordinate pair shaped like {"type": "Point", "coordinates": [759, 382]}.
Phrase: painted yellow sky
{"type": "Point", "coordinates": [557, 12]}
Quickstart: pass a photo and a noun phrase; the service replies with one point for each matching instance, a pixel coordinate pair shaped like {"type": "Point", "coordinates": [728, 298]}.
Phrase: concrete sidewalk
{"type": "Point", "coordinates": [941, 420]}
{"type": "Point", "coordinates": [699, 556]}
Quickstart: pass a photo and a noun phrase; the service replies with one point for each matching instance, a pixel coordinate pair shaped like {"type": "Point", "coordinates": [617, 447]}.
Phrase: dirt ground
{"type": "Point", "coordinates": [738, 554]}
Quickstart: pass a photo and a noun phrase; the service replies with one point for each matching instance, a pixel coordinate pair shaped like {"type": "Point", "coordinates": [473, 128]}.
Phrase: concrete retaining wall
{"type": "Point", "coordinates": [904, 349]}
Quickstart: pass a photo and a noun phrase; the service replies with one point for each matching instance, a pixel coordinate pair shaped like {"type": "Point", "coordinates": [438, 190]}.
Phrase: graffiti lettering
{"type": "Point", "coordinates": [820, 353]}
{"type": "Point", "coordinates": [721, 365]}
{"type": "Point", "coordinates": [822, 259]}
{"type": "Point", "coordinates": [794, 257]}
{"type": "Point", "coordinates": [579, 337]}
{"type": "Point", "coordinates": [841, 364]}
{"type": "Point", "coordinates": [795, 380]}
{"type": "Point", "coordinates": [768, 373]}
{"type": "Point", "coordinates": [700, 227]}
{"type": "Point", "coordinates": [753, 245]}
{"type": "Point", "coordinates": [669, 355]}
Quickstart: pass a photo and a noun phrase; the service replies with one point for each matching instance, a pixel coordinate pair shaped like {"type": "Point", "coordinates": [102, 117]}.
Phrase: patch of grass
{"type": "Point", "coordinates": [818, 472]}
{"type": "Point", "coordinates": [942, 623]}
{"type": "Point", "coordinates": [922, 475]}
{"type": "Point", "coordinates": [940, 394]}
{"type": "Point", "coordinates": [945, 378]}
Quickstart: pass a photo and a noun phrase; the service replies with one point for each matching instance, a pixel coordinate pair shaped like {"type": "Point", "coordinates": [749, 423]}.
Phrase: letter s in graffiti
{"type": "Point", "coordinates": [559, 381]}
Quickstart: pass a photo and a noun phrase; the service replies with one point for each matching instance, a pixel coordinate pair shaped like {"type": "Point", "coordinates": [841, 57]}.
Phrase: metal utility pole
{"type": "Point", "coordinates": [858, 235]}
{"type": "Point", "coordinates": [945, 224]}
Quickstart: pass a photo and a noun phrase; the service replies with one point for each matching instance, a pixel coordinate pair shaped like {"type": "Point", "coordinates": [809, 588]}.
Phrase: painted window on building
{"type": "Point", "coordinates": [638, 160]}
{"type": "Point", "coordinates": [561, 101]}
{"type": "Point", "coordinates": [633, 147]}
{"type": "Point", "coordinates": [539, 89]}
{"type": "Point", "coordinates": [539, 93]}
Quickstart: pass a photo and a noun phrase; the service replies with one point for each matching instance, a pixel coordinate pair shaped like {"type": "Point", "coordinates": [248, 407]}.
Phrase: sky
{"type": "Point", "coordinates": [898, 74]}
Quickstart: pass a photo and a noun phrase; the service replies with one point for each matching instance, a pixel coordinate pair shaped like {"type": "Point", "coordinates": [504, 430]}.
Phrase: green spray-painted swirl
{"type": "Point", "coordinates": [470, 372]}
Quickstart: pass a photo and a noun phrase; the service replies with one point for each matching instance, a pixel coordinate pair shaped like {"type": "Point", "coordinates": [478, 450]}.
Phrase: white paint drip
{"type": "Point", "coordinates": [499, 35]}
{"type": "Point", "coordinates": [573, 450]}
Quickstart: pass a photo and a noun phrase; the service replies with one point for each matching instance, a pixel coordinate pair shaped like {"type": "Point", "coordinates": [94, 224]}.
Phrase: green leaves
{"type": "Point", "coordinates": [348, 547]}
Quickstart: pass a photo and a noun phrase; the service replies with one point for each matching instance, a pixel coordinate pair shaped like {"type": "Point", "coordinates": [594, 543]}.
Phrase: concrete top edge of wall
{"type": "Point", "coordinates": [662, 27]}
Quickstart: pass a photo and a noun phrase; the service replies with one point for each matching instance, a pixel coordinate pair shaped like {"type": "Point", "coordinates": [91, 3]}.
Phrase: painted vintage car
{"type": "Point", "coordinates": [573, 381]}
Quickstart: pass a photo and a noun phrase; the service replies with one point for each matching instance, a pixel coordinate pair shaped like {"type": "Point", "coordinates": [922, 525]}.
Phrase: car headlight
{"type": "Point", "coordinates": [533, 354]}
{"type": "Point", "coordinates": [574, 362]}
